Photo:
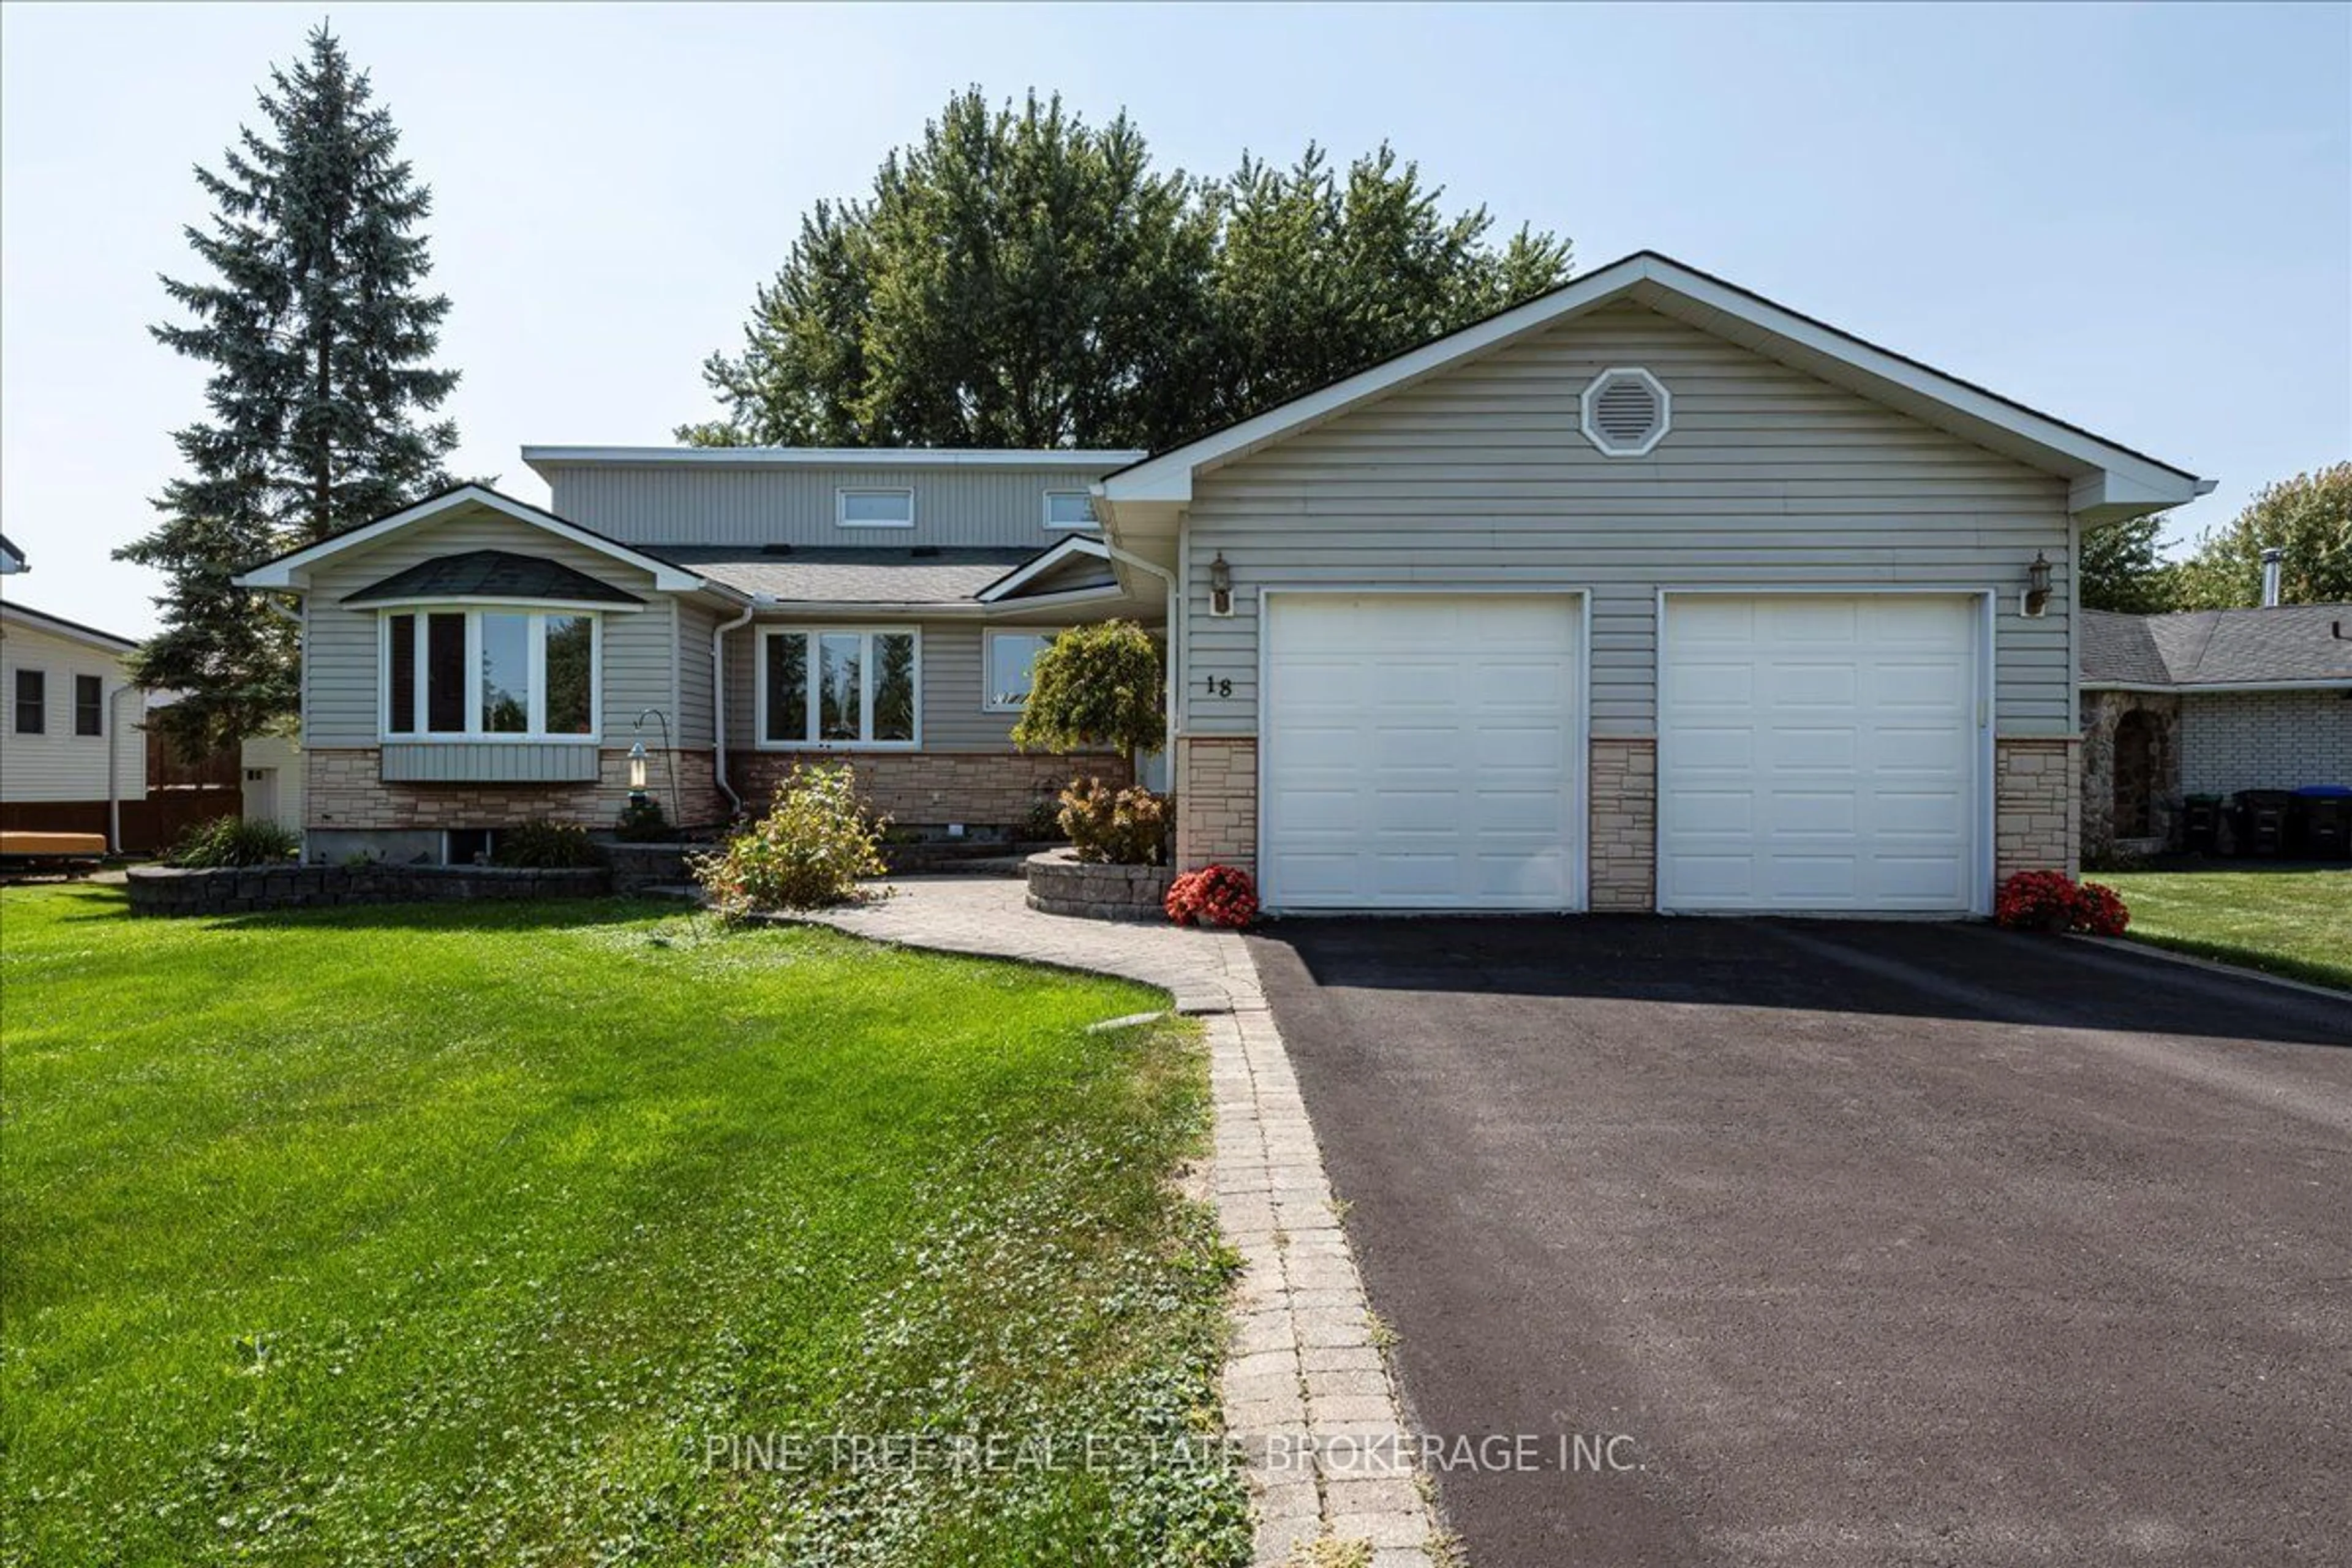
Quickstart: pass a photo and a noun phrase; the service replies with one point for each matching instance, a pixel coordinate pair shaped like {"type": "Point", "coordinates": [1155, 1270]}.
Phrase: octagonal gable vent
{"type": "Point", "coordinates": [1625, 412]}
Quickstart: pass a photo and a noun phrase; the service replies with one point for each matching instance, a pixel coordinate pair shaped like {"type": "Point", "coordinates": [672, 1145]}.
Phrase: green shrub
{"type": "Point", "coordinates": [1125, 827]}
{"type": "Point", "coordinates": [1095, 686]}
{"type": "Point", "coordinates": [642, 822]}
{"type": "Point", "coordinates": [1044, 821]}
{"type": "Point", "coordinates": [546, 847]}
{"type": "Point", "coordinates": [814, 846]}
{"type": "Point", "coordinates": [235, 841]}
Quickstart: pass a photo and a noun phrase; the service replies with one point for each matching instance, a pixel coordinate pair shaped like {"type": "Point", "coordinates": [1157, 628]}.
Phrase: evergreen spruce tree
{"type": "Point", "coordinates": [318, 335]}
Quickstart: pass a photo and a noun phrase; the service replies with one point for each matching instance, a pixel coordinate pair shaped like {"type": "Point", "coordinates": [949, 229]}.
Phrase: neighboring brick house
{"type": "Point", "coordinates": [2208, 702]}
{"type": "Point", "coordinates": [475, 662]}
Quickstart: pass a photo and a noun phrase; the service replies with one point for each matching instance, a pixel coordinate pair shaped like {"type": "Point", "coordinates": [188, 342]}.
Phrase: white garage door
{"type": "Point", "coordinates": [1420, 752]}
{"type": "Point", "coordinates": [1819, 752]}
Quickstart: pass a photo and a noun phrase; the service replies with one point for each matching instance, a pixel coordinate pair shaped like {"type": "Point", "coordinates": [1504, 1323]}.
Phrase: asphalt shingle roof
{"type": "Point", "coordinates": [492, 574]}
{"type": "Point", "coordinates": [2219, 647]}
{"type": "Point", "coordinates": [945, 574]}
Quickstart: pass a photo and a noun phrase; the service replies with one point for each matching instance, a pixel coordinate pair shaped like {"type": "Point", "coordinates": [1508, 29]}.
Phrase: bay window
{"type": "Point", "coordinates": [1011, 657]}
{"type": "Point", "coordinates": [838, 688]}
{"type": "Point", "coordinates": [490, 674]}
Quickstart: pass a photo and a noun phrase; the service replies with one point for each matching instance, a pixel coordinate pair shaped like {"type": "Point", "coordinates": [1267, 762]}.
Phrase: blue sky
{"type": "Point", "coordinates": [2137, 218]}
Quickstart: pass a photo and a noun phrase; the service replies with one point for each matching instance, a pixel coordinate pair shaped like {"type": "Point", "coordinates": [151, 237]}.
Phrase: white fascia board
{"type": "Point", "coordinates": [924, 610]}
{"type": "Point", "coordinates": [1167, 477]}
{"type": "Point", "coordinates": [2108, 497]}
{"type": "Point", "coordinates": [58, 627]}
{"type": "Point", "coordinates": [280, 573]}
{"type": "Point", "coordinates": [540, 458]}
{"type": "Point", "coordinates": [1030, 569]}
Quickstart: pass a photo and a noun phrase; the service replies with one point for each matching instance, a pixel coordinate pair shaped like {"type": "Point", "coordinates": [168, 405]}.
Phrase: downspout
{"type": "Point", "coordinates": [719, 704]}
{"type": "Point", "coordinates": [301, 620]}
{"type": "Point", "coordinates": [1175, 592]}
{"type": "Point", "coordinates": [114, 768]}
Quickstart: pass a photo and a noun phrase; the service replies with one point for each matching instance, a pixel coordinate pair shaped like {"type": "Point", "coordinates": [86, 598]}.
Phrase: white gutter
{"type": "Point", "coordinates": [2218, 687]}
{"type": "Point", "coordinates": [1174, 592]}
{"type": "Point", "coordinates": [718, 700]}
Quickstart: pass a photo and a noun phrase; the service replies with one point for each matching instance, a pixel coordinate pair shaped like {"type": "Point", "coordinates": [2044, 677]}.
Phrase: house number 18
{"type": "Point", "coordinates": [1218, 685]}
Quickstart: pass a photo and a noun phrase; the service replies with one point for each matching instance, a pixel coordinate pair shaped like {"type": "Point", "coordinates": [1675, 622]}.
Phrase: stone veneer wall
{"type": "Point", "coordinates": [2037, 806]}
{"type": "Point", "coordinates": [344, 792]}
{"type": "Point", "coordinates": [928, 788]}
{"type": "Point", "coordinates": [2101, 713]}
{"type": "Point", "coordinates": [1624, 826]}
{"type": "Point", "coordinates": [1216, 802]}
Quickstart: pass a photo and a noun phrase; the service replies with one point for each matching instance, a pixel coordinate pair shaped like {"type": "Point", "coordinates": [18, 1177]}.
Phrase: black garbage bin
{"type": "Point", "coordinates": [2258, 817]}
{"type": "Point", "coordinates": [2322, 822]}
{"type": "Point", "coordinates": [2200, 824]}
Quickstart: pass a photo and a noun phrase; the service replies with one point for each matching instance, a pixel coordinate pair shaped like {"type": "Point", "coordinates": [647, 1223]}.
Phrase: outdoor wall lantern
{"type": "Point", "coordinates": [2037, 585]}
{"type": "Point", "coordinates": [1220, 586]}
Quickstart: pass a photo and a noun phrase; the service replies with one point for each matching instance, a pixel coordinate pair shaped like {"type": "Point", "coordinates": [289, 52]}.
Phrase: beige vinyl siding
{"type": "Point", "coordinates": [693, 716]}
{"type": "Point", "coordinates": [681, 504]}
{"type": "Point", "coordinates": [1482, 476]}
{"type": "Point", "coordinates": [638, 652]}
{"type": "Point", "coordinates": [58, 764]}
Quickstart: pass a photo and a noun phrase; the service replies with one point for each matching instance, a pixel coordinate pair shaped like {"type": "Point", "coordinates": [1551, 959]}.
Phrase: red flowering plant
{"type": "Point", "coordinates": [2052, 900]}
{"type": "Point", "coordinates": [1213, 895]}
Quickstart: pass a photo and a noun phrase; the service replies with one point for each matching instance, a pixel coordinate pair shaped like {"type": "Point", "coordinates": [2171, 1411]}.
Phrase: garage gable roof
{"type": "Point", "coordinates": [2111, 482]}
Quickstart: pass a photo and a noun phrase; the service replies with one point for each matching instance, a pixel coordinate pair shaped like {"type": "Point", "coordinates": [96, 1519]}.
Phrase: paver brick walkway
{"type": "Point", "coordinates": [1308, 1394]}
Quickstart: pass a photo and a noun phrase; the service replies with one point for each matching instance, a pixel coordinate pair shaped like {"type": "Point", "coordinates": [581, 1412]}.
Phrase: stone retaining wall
{"type": "Point", "coordinates": [169, 890]}
{"type": "Point", "coordinates": [1062, 884]}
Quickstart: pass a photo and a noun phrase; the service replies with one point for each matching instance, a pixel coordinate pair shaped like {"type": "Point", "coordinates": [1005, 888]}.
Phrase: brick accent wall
{"type": "Point", "coordinates": [1624, 826]}
{"type": "Point", "coordinates": [917, 789]}
{"type": "Point", "coordinates": [2037, 806]}
{"type": "Point", "coordinates": [344, 791]}
{"type": "Point", "coordinates": [2264, 740]}
{"type": "Point", "coordinates": [1216, 802]}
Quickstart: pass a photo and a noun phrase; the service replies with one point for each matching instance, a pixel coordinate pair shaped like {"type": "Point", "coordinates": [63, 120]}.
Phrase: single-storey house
{"type": "Point", "coordinates": [72, 747]}
{"type": "Point", "coordinates": [2208, 702]}
{"type": "Point", "coordinates": [1648, 592]}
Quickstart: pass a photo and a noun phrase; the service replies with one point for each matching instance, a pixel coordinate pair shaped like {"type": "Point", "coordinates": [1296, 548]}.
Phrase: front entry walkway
{"type": "Point", "coordinates": [1306, 1393]}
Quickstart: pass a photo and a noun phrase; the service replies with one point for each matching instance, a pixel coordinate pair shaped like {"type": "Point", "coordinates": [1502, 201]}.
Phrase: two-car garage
{"type": "Point", "coordinates": [1815, 751]}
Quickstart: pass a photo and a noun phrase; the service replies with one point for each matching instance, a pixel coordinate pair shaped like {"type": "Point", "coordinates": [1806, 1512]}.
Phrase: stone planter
{"type": "Point", "coordinates": [1062, 884]}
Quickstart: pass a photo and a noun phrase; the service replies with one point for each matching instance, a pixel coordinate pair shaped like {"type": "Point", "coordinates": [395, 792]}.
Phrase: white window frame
{"type": "Point", "coordinates": [473, 733]}
{"type": "Point", "coordinates": [988, 703]}
{"type": "Point", "coordinates": [1088, 526]}
{"type": "Point", "coordinates": [841, 504]}
{"type": "Point", "coordinates": [866, 688]}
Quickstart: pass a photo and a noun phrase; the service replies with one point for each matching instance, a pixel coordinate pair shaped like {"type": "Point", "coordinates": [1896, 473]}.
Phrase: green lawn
{"type": "Point", "coordinates": [466, 1234]}
{"type": "Point", "coordinates": [2293, 923]}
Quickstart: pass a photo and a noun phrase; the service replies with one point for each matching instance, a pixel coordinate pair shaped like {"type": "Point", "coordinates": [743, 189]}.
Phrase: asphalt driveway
{"type": "Point", "coordinates": [1878, 1243]}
